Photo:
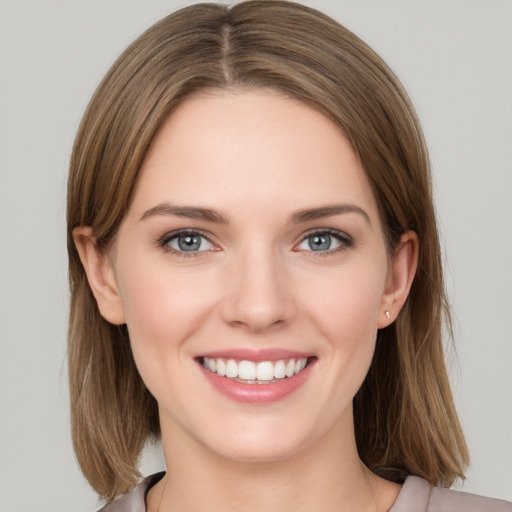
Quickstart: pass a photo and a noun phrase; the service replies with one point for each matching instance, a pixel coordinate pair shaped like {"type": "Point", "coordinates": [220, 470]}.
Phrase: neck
{"type": "Point", "coordinates": [324, 476]}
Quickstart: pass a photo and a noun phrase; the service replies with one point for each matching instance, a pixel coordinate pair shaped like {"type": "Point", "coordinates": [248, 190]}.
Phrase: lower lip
{"type": "Point", "coordinates": [258, 393]}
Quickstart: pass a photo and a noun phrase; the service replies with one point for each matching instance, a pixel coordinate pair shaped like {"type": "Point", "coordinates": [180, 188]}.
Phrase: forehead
{"type": "Point", "coordinates": [257, 146]}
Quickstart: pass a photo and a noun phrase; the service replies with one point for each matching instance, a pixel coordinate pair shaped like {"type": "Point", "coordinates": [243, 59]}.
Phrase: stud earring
{"type": "Point", "coordinates": [388, 314]}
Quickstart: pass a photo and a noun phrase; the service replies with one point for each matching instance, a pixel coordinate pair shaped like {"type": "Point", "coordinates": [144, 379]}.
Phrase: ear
{"type": "Point", "coordinates": [100, 275]}
{"type": "Point", "coordinates": [402, 270]}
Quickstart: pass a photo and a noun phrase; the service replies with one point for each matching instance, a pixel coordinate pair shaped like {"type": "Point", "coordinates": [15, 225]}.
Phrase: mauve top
{"type": "Point", "coordinates": [416, 496]}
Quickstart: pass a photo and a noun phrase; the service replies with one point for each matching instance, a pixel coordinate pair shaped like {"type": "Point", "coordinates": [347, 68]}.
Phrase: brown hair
{"type": "Point", "coordinates": [404, 412]}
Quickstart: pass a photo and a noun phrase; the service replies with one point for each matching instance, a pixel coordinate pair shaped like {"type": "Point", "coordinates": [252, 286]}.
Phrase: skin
{"type": "Point", "coordinates": [257, 159]}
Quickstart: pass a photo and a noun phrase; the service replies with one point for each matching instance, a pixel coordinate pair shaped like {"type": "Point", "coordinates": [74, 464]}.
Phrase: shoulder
{"type": "Point", "coordinates": [135, 500]}
{"type": "Point", "coordinates": [446, 499]}
{"type": "Point", "coordinates": [417, 494]}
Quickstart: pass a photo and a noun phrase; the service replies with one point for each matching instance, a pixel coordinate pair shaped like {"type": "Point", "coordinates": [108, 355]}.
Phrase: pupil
{"type": "Point", "coordinates": [189, 242]}
{"type": "Point", "coordinates": [320, 242]}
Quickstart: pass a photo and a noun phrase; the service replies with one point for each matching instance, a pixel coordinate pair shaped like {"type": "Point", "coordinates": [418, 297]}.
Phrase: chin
{"type": "Point", "coordinates": [256, 453]}
{"type": "Point", "coordinates": [260, 444]}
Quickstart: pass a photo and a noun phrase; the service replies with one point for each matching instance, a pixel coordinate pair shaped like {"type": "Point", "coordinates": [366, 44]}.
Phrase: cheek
{"type": "Point", "coordinates": [348, 319]}
{"type": "Point", "coordinates": [162, 307]}
{"type": "Point", "coordinates": [347, 303]}
{"type": "Point", "coordinates": [346, 313]}
{"type": "Point", "coordinates": [163, 311]}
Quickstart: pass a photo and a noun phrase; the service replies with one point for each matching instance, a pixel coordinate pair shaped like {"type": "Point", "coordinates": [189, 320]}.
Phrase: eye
{"type": "Point", "coordinates": [187, 241]}
{"type": "Point", "coordinates": [324, 241]}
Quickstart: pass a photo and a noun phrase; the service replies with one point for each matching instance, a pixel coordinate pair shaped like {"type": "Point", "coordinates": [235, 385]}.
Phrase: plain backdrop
{"type": "Point", "coordinates": [455, 59]}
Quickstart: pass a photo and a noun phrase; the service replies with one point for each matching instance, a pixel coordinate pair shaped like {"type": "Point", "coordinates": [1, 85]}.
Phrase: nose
{"type": "Point", "coordinates": [259, 296]}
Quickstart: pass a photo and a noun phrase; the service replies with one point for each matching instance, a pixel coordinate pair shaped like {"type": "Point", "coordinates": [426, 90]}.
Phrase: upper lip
{"type": "Point", "coordinates": [256, 355]}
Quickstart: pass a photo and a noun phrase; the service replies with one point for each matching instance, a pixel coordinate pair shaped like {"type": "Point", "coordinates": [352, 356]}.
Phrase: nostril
{"type": "Point", "coordinates": [258, 302]}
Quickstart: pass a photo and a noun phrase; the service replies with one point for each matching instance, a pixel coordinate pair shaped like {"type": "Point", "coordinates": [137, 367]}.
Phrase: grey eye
{"type": "Point", "coordinates": [323, 241]}
{"type": "Point", "coordinates": [319, 242]}
{"type": "Point", "coordinates": [189, 242]}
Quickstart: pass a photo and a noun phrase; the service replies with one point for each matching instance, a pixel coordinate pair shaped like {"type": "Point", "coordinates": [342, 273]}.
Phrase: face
{"type": "Point", "coordinates": [253, 247]}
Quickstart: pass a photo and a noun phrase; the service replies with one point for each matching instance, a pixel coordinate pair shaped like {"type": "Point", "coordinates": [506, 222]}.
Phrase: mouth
{"type": "Point", "coordinates": [256, 376]}
{"type": "Point", "coordinates": [256, 372]}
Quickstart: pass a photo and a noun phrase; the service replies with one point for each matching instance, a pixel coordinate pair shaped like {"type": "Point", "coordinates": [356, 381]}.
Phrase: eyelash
{"type": "Point", "coordinates": [168, 237]}
{"type": "Point", "coordinates": [345, 242]}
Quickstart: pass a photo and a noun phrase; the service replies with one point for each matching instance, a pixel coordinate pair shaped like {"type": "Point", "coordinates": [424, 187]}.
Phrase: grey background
{"type": "Point", "coordinates": [455, 59]}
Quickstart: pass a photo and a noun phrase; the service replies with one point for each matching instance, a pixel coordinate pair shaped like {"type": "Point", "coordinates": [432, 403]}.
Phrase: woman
{"type": "Point", "coordinates": [256, 276]}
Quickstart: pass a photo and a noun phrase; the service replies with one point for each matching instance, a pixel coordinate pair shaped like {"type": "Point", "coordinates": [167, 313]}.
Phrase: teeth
{"type": "Point", "coordinates": [290, 368]}
{"type": "Point", "coordinates": [280, 370]}
{"type": "Point", "coordinates": [231, 369]}
{"type": "Point", "coordinates": [247, 370]}
{"type": "Point", "coordinates": [263, 371]}
{"type": "Point", "coordinates": [299, 365]}
{"type": "Point", "coordinates": [221, 367]}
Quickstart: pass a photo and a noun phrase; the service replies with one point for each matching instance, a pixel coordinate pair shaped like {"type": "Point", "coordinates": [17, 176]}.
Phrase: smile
{"type": "Point", "coordinates": [257, 377]}
{"type": "Point", "coordinates": [261, 372]}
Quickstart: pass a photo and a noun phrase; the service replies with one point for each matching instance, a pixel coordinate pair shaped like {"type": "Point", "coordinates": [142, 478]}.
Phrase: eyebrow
{"type": "Point", "coordinates": [327, 211]}
{"type": "Point", "coordinates": [208, 214]}
{"type": "Point", "coordinates": [190, 212]}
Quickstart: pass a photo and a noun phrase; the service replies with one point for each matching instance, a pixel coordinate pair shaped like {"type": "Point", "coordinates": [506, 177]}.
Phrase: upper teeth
{"type": "Point", "coordinates": [251, 371]}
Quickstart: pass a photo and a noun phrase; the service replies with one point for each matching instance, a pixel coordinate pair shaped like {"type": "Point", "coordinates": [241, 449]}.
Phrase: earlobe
{"type": "Point", "coordinates": [100, 275]}
{"type": "Point", "coordinates": [400, 277]}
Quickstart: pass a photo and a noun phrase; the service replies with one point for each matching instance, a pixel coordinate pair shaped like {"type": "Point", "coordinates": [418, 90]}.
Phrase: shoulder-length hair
{"type": "Point", "coordinates": [404, 413]}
